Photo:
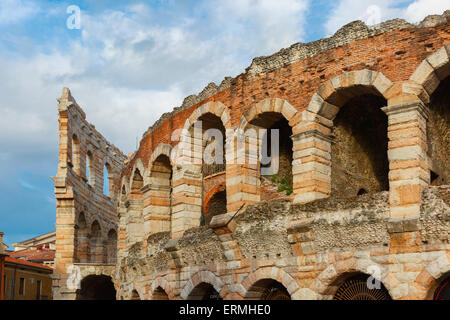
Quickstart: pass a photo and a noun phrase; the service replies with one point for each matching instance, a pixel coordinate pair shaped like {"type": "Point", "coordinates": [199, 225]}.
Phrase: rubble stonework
{"type": "Point", "coordinates": [368, 198]}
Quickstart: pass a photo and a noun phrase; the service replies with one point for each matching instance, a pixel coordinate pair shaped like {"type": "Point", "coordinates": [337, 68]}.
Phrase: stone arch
{"type": "Point", "coordinates": [353, 286]}
{"type": "Point", "coordinates": [275, 105]}
{"type": "Point", "coordinates": [328, 281]}
{"type": "Point", "coordinates": [81, 239]}
{"type": "Point", "coordinates": [441, 288]}
{"type": "Point", "coordinates": [96, 287]}
{"type": "Point", "coordinates": [139, 166]}
{"type": "Point", "coordinates": [135, 205]}
{"type": "Point", "coordinates": [203, 277]}
{"type": "Point", "coordinates": [189, 163]}
{"type": "Point", "coordinates": [216, 108]}
{"type": "Point", "coordinates": [124, 184]}
{"type": "Point", "coordinates": [433, 70]}
{"type": "Point", "coordinates": [76, 154]}
{"type": "Point", "coordinates": [158, 218]}
{"type": "Point", "coordinates": [359, 131]}
{"type": "Point", "coordinates": [163, 283]}
{"type": "Point", "coordinates": [111, 247]}
{"type": "Point", "coordinates": [273, 273]}
{"type": "Point", "coordinates": [109, 178]}
{"type": "Point", "coordinates": [208, 197]}
{"type": "Point", "coordinates": [327, 101]}
{"type": "Point", "coordinates": [431, 277]}
{"type": "Point", "coordinates": [90, 167]}
{"type": "Point", "coordinates": [96, 243]}
{"type": "Point", "coordinates": [161, 149]}
{"type": "Point", "coordinates": [270, 113]}
{"type": "Point", "coordinates": [134, 295]}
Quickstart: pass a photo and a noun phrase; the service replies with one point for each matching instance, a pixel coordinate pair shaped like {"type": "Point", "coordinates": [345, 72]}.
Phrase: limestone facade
{"type": "Point", "coordinates": [392, 222]}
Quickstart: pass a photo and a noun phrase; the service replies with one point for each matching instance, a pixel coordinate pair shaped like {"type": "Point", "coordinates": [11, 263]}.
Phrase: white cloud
{"type": "Point", "coordinates": [372, 12]}
{"type": "Point", "coordinates": [269, 24]}
{"type": "Point", "coordinates": [369, 11]}
{"type": "Point", "coordinates": [129, 67]}
{"type": "Point", "coordinates": [12, 11]}
{"type": "Point", "coordinates": [418, 10]}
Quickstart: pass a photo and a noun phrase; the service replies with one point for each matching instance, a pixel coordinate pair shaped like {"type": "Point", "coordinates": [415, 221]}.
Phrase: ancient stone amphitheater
{"type": "Point", "coordinates": [360, 207]}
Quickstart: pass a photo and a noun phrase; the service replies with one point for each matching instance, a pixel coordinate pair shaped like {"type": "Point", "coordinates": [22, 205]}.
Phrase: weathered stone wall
{"type": "Point", "coordinates": [307, 248]}
{"type": "Point", "coordinates": [311, 241]}
{"type": "Point", "coordinates": [356, 105]}
{"type": "Point", "coordinates": [85, 216]}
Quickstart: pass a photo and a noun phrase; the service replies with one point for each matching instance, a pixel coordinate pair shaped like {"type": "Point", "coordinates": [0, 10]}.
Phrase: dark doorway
{"type": "Point", "coordinates": [96, 288]}
{"type": "Point", "coordinates": [204, 291]}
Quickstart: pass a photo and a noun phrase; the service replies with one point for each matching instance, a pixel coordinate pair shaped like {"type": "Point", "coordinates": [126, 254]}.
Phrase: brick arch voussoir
{"type": "Point", "coordinates": [162, 149]}
{"type": "Point", "coordinates": [203, 277]}
{"type": "Point", "coordinates": [320, 108]}
{"type": "Point", "coordinates": [125, 184]}
{"type": "Point", "coordinates": [429, 279]}
{"type": "Point", "coordinates": [162, 282]}
{"type": "Point", "coordinates": [328, 281]}
{"type": "Point", "coordinates": [214, 107]}
{"type": "Point", "coordinates": [276, 105]}
{"type": "Point", "coordinates": [140, 166]}
{"type": "Point", "coordinates": [217, 188]}
{"type": "Point", "coordinates": [273, 273]}
{"type": "Point", "coordinates": [432, 70]}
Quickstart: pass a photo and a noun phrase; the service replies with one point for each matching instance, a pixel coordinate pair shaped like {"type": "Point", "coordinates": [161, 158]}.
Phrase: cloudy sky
{"type": "Point", "coordinates": [129, 62]}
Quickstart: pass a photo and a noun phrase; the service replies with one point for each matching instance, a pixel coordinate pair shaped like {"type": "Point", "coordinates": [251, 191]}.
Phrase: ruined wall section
{"type": "Point", "coordinates": [80, 200]}
{"type": "Point", "coordinates": [312, 244]}
{"type": "Point", "coordinates": [394, 47]}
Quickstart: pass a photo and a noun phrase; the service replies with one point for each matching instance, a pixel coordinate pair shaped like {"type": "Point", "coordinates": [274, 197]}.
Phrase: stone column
{"type": "Point", "coordinates": [134, 221]}
{"type": "Point", "coordinates": [407, 153]}
{"type": "Point", "coordinates": [311, 166]}
{"type": "Point", "coordinates": [157, 213]}
{"type": "Point", "coordinates": [186, 200]}
{"type": "Point", "coordinates": [242, 169]}
{"type": "Point", "coordinates": [122, 236]}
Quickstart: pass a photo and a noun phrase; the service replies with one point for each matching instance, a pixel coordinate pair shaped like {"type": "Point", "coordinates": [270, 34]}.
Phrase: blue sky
{"type": "Point", "coordinates": [130, 62]}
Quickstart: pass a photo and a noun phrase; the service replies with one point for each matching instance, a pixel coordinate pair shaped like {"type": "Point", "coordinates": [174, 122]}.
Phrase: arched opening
{"type": "Point", "coordinates": [277, 154]}
{"type": "Point", "coordinates": [359, 151]}
{"type": "Point", "coordinates": [442, 292]}
{"type": "Point", "coordinates": [111, 247]}
{"type": "Point", "coordinates": [75, 159]}
{"type": "Point", "coordinates": [137, 184]}
{"type": "Point", "coordinates": [362, 287]}
{"type": "Point", "coordinates": [96, 243]}
{"type": "Point", "coordinates": [268, 289]}
{"type": "Point", "coordinates": [160, 294]}
{"type": "Point", "coordinates": [123, 194]}
{"type": "Point", "coordinates": [82, 239]}
{"type": "Point", "coordinates": [438, 137]}
{"type": "Point", "coordinates": [213, 144]}
{"type": "Point", "coordinates": [107, 180]}
{"type": "Point", "coordinates": [135, 214]}
{"type": "Point", "coordinates": [216, 205]}
{"type": "Point", "coordinates": [204, 291]}
{"type": "Point", "coordinates": [135, 296]}
{"type": "Point", "coordinates": [96, 287]}
{"type": "Point", "coordinates": [90, 169]}
{"type": "Point", "coordinates": [160, 195]}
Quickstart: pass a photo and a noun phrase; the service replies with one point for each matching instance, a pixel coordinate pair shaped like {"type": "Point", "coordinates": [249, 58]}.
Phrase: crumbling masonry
{"type": "Point", "coordinates": [364, 119]}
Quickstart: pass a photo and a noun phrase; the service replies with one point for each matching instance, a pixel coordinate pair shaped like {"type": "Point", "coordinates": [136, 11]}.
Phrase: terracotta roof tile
{"type": "Point", "coordinates": [27, 263]}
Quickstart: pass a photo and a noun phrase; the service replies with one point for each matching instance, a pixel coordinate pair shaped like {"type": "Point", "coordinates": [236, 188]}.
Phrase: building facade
{"type": "Point", "coordinates": [361, 194]}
